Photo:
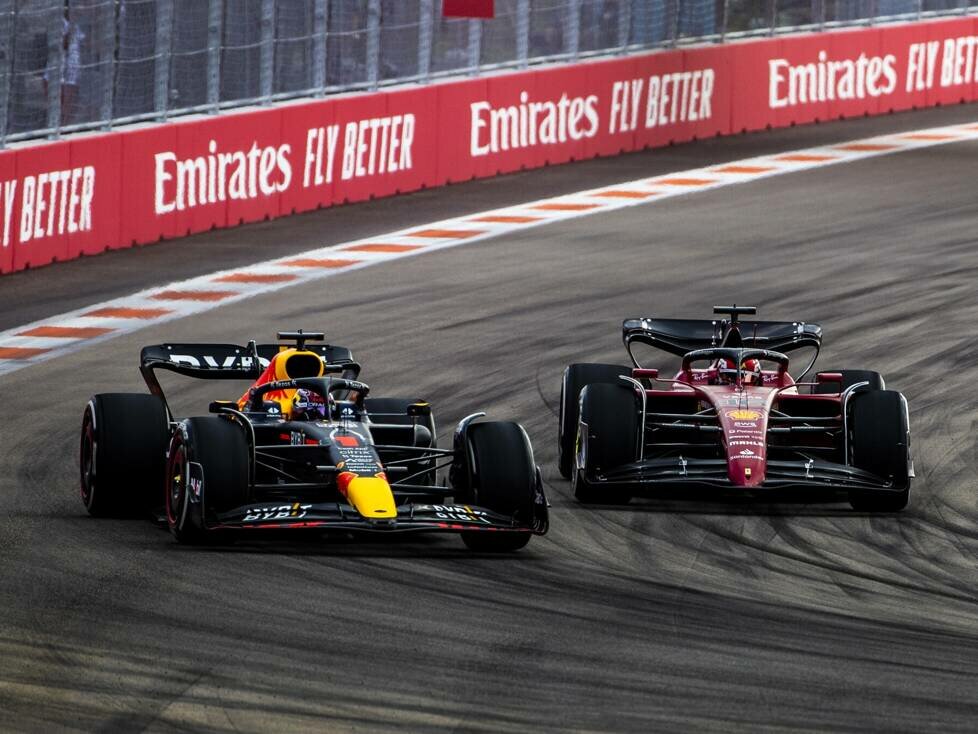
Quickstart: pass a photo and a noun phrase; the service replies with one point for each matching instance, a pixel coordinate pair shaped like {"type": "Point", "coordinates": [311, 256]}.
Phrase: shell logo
{"type": "Point", "coordinates": [743, 415]}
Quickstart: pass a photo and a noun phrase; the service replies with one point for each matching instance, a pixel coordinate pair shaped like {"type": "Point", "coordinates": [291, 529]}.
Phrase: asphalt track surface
{"type": "Point", "coordinates": [671, 614]}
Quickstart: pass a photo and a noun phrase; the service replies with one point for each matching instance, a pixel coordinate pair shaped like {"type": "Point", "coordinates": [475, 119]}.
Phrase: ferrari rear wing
{"type": "Point", "coordinates": [680, 336]}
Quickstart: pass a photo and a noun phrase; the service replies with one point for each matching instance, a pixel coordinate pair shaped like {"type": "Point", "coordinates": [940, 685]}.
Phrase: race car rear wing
{"type": "Point", "coordinates": [228, 361]}
{"type": "Point", "coordinates": [679, 336]}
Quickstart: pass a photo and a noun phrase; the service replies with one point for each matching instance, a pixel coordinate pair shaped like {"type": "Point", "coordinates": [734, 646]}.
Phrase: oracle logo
{"type": "Point", "coordinates": [825, 80]}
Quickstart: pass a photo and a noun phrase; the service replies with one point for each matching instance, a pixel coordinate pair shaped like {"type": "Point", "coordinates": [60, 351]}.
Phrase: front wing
{"type": "Point", "coordinates": [712, 473]}
{"type": "Point", "coordinates": [340, 516]}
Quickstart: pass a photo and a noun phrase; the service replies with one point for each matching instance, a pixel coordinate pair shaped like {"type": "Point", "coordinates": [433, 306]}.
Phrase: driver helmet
{"type": "Point", "coordinates": [309, 405]}
{"type": "Point", "coordinates": [750, 370]}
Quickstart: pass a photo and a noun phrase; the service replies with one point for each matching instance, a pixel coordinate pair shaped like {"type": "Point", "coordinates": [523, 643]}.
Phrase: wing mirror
{"type": "Point", "coordinates": [419, 410]}
{"type": "Point", "coordinates": [647, 374]}
{"type": "Point", "coordinates": [822, 377]}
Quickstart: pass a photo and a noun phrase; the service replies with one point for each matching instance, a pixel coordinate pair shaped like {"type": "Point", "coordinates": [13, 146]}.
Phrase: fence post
{"type": "Point", "coordinates": [6, 64]}
{"type": "Point", "coordinates": [56, 59]}
{"type": "Point", "coordinates": [161, 66]}
{"type": "Point", "coordinates": [319, 47]}
{"type": "Point", "coordinates": [677, 8]}
{"type": "Point", "coordinates": [572, 28]}
{"type": "Point", "coordinates": [624, 24]}
{"type": "Point", "coordinates": [475, 45]}
{"type": "Point", "coordinates": [107, 59]}
{"type": "Point", "coordinates": [723, 20]}
{"type": "Point", "coordinates": [215, 22]}
{"type": "Point", "coordinates": [373, 42]}
{"type": "Point", "coordinates": [426, 22]}
{"type": "Point", "coordinates": [772, 16]}
{"type": "Point", "coordinates": [522, 32]}
{"type": "Point", "coordinates": [266, 56]}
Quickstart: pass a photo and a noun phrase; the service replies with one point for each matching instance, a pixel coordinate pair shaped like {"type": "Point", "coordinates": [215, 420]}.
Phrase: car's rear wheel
{"type": "Point", "coordinates": [504, 480]}
{"type": "Point", "coordinates": [879, 442]}
{"type": "Point", "coordinates": [850, 378]}
{"type": "Point", "coordinates": [122, 454]}
{"type": "Point", "coordinates": [207, 471]}
{"type": "Point", "coordinates": [576, 378]}
{"type": "Point", "coordinates": [608, 436]}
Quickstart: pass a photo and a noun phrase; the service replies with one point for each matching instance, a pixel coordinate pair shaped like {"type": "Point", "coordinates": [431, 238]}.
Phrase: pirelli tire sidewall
{"type": "Point", "coordinates": [575, 378]}
{"type": "Point", "coordinates": [607, 437]}
{"type": "Point", "coordinates": [879, 442]}
{"type": "Point", "coordinates": [184, 512]}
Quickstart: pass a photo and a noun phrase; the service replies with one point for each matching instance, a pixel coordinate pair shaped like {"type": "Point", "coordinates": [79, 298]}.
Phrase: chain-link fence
{"type": "Point", "coordinates": [80, 64]}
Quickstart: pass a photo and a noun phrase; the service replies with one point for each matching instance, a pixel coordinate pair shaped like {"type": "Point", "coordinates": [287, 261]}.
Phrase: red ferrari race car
{"type": "Point", "coordinates": [303, 448]}
{"type": "Point", "coordinates": [733, 417]}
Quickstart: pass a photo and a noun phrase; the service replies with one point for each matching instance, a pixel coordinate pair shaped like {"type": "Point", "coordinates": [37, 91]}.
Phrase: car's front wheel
{"type": "Point", "coordinates": [607, 437]}
{"type": "Point", "coordinates": [504, 479]}
{"type": "Point", "coordinates": [206, 473]}
{"type": "Point", "coordinates": [879, 442]}
{"type": "Point", "coordinates": [576, 378]}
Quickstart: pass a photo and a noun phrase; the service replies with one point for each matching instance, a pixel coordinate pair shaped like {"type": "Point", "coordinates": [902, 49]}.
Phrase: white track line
{"type": "Point", "coordinates": [59, 335]}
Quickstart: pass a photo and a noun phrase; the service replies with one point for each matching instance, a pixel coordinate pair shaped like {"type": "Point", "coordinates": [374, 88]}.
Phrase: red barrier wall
{"type": "Point", "coordinates": [96, 192]}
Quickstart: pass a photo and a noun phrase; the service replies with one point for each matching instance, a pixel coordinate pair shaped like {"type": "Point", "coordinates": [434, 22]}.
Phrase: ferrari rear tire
{"type": "Point", "coordinates": [850, 378]}
{"type": "Point", "coordinates": [504, 480]}
{"type": "Point", "coordinates": [576, 378]}
{"type": "Point", "coordinates": [122, 453]}
{"type": "Point", "coordinates": [219, 447]}
{"type": "Point", "coordinates": [608, 435]}
{"type": "Point", "coordinates": [880, 443]}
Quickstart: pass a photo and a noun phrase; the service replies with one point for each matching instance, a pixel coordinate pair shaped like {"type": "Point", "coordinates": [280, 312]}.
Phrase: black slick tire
{"type": "Point", "coordinates": [576, 378]}
{"type": "Point", "coordinates": [220, 447]}
{"type": "Point", "coordinates": [504, 479]}
{"type": "Point", "coordinates": [880, 443]}
{"type": "Point", "coordinates": [122, 454]}
{"type": "Point", "coordinates": [609, 423]}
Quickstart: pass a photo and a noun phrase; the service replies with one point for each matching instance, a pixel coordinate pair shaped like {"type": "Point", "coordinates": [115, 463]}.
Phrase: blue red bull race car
{"type": "Point", "coordinates": [303, 448]}
{"type": "Point", "coordinates": [733, 417]}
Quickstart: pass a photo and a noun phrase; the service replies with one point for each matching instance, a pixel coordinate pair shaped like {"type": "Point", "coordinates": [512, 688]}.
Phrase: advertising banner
{"type": "Point", "coordinates": [94, 192]}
